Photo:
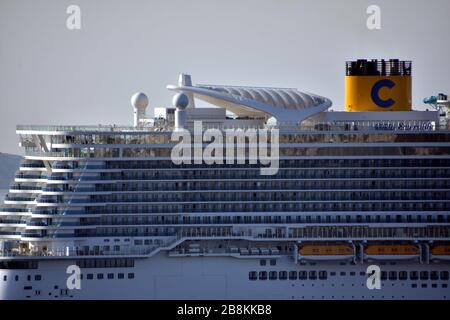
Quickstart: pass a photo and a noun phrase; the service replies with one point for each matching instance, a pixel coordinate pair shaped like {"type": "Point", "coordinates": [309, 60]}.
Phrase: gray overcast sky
{"type": "Point", "coordinates": [51, 75]}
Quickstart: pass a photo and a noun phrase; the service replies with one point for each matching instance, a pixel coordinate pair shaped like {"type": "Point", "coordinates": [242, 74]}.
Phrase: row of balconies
{"type": "Point", "coordinates": [261, 207]}
{"type": "Point", "coordinates": [94, 225]}
{"type": "Point", "coordinates": [159, 153]}
{"type": "Point", "coordinates": [283, 173]}
{"type": "Point", "coordinates": [20, 187]}
{"type": "Point", "coordinates": [32, 176]}
{"type": "Point", "coordinates": [237, 174]}
{"type": "Point", "coordinates": [168, 208]}
{"type": "Point", "coordinates": [295, 163]}
{"type": "Point", "coordinates": [269, 185]}
{"type": "Point", "coordinates": [316, 164]}
{"type": "Point", "coordinates": [245, 195]}
{"type": "Point", "coordinates": [332, 232]}
{"type": "Point", "coordinates": [164, 138]}
{"type": "Point", "coordinates": [260, 220]}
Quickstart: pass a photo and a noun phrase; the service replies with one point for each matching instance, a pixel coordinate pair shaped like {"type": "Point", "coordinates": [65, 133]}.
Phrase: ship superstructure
{"type": "Point", "coordinates": [368, 186]}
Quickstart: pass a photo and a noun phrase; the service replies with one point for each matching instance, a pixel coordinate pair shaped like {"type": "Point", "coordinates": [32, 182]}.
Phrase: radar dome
{"type": "Point", "coordinates": [139, 100]}
{"type": "Point", "coordinates": [180, 101]}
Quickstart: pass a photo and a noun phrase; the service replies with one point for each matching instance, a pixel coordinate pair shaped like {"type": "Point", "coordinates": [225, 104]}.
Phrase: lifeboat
{"type": "Point", "coordinates": [326, 252]}
{"type": "Point", "coordinates": [391, 251]}
{"type": "Point", "coordinates": [440, 252]}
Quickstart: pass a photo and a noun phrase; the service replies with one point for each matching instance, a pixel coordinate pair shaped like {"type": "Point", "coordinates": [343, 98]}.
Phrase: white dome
{"type": "Point", "coordinates": [139, 100]}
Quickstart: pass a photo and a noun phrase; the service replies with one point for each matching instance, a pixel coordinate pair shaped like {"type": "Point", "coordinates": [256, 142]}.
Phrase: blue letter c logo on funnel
{"type": "Point", "coordinates": [375, 93]}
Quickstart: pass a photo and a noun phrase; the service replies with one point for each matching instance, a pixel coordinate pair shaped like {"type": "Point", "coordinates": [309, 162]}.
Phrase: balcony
{"type": "Point", "coordinates": [29, 176]}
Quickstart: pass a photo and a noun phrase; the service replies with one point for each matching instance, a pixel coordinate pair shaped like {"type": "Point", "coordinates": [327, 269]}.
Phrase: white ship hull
{"type": "Point", "coordinates": [164, 277]}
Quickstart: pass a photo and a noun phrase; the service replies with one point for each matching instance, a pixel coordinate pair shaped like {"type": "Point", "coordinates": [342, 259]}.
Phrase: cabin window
{"type": "Point", "coordinates": [403, 275]}
{"type": "Point", "coordinates": [423, 275]}
{"type": "Point", "coordinates": [392, 275]}
{"type": "Point", "coordinates": [302, 275]}
{"type": "Point", "coordinates": [413, 275]}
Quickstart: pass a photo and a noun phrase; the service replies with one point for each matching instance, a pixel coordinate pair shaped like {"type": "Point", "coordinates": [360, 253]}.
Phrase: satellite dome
{"type": "Point", "coordinates": [139, 100]}
{"type": "Point", "coordinates": [180, 101]}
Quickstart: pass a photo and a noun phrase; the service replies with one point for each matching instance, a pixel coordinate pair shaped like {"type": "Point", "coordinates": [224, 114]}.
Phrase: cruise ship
{"type": "Point", "coordinates": [305, 211]}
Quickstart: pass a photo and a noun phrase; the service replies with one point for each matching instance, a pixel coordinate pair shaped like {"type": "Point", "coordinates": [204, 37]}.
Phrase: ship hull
{"type": "Point", "coordinates": [164, 277]}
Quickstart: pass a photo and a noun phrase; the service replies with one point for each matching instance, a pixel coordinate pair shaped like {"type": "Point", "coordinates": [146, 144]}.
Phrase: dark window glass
{"type": "Point", "coordinates": [392, 275]}
{"type": "Point", "coordinates": [302, 275]}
